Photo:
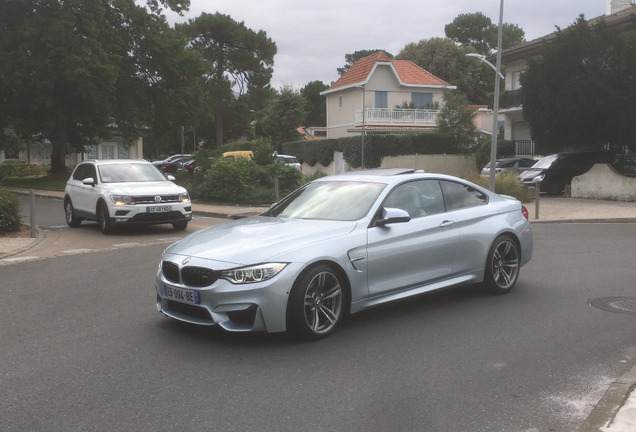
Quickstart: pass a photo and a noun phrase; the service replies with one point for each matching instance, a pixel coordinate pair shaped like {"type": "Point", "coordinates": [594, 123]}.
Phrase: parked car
{"type": "Point", "coordinates": [124, 192]}
{"type": "Point", "coordinates": [515, 165]}
{"type": "Point", "coordinates": [342, 244]}
{"type": "Point", "coordinates": [289, 160]}
{"type": "Point", "coordinates": [172, 163]}
{"type": "Point", "coordinates": [191, 165]}
{"type": "Point", "coordinates": [556, 171]}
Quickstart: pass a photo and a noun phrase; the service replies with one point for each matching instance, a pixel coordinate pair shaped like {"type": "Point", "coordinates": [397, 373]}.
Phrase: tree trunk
{"type": "Point", "coordinates": [59, 140]}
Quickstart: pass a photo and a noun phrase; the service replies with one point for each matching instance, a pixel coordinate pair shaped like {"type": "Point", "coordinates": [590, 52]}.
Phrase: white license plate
{"type": "Point", "coordinates": [158, 209]}
{"type": "Point", "coordinates": [181, 295]}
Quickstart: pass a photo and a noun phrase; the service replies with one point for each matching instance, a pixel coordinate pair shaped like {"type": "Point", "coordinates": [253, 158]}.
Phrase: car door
{"type": "Point", "coordinates": [413, 253]}
{"type": "Point", "coordinates": [84, 196]}
{"type": "Point", "coordinates": [468, 208]}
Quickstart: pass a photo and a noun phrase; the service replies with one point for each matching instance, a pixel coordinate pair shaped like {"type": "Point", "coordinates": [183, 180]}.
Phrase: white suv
{"type": "Point", "coordinates": [124, 192]}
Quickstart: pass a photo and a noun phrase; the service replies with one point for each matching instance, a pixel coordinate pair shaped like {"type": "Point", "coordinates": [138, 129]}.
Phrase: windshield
{"type": "Point", "coordinates": [341, 201]}
{"type": "Point", "coordinates": [129, 172]}
{"type": "Point", "coordinates": [545, 162]}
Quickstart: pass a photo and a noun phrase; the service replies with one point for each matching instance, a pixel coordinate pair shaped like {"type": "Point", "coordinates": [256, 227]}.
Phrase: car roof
{"type": "Point", "coordinates": [115, 161]}
{"type": "Point", "coordinates": [388, 176]}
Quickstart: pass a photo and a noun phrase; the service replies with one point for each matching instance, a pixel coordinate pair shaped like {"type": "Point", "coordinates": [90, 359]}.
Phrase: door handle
{"type": "Point", "coordinates": [447, 223]}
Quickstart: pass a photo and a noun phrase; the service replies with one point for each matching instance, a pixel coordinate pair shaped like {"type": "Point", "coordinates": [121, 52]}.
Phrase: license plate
{"type": "Point", "coordinates": [181, 295]}
{"type": "Point", "coordinates": [158, 209]}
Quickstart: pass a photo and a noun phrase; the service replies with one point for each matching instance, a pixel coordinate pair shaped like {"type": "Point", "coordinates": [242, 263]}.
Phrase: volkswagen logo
{"type": "Point", "coordinates": [158, 199]}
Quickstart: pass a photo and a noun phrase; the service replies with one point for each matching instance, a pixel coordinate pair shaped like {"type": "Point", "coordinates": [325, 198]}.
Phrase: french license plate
{"type": "Point", "coordinates": [159, 209]}
{"type": "Point", "coordinates": [181, 295]}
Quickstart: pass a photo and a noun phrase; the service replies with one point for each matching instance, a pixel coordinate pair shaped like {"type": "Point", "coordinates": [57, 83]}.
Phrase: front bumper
{"type": "Point", "coordinates": [140, 214]}
{"type": "Point", "coordinates": [238, 308]}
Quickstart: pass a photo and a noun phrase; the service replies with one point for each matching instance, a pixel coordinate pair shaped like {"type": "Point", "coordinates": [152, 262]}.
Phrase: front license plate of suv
{"type": "Point", "coordinates": [158, 209]}
{"type": "Point", "coordinates": [181, 295]}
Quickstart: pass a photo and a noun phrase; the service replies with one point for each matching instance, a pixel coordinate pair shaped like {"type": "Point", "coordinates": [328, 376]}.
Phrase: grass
{"type": "Point", "coordinates": [51, 182]}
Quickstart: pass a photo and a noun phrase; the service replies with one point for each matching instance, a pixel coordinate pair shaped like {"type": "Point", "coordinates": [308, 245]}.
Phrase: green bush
{"type": "Point", "coordinates": [505, 184]}
{"type": "Point", "coordinates": [20, 169]}
{"type": "Point", "coordinates": [10, 219]}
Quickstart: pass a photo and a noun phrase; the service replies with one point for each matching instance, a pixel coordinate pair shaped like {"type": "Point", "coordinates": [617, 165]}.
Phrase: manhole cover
{"type": "Point", "coordinates": [624, 305]}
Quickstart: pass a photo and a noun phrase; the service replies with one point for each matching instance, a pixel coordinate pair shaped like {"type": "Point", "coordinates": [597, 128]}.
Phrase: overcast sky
{"type": "Point", "coordinates": [313, 36]}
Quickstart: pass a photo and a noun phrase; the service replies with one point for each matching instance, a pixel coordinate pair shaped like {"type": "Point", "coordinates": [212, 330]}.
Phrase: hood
{"type": "Point", "coordinates": [256, 239]}
{"type": "Point", "coordinates": [530, 173]}
{"type": "Point", "coordinates": [145, 188]}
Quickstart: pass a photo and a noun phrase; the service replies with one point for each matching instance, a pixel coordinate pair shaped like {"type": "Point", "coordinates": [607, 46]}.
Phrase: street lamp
{"type": "Point", "coordinates": [495, 108]}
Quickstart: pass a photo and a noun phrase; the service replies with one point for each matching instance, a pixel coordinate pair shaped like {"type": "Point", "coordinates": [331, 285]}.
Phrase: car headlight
{"type": "Point", "coordinates": [253, 274]}
{"type": "Point", "coordinates": [184, 197]}
{"type": "Point", "coordinates": [538, 178]}
{"type": "Point", "coordinates": [122, 199]}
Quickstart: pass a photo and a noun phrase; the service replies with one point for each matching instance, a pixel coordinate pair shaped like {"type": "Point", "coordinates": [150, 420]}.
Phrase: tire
{"type": "Point", "coordinates": [71, 219]}
{"type": "Point", "coordinates": [180, 226]}
{"type": "Point", "coordinates": [103, 219]}
{"type": "Point", "coordinates": [316, 304]}
{"type": "Point", "coordinates": [502, 265]}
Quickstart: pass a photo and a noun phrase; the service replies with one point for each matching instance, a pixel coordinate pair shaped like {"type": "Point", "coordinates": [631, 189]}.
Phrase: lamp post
{"type": "Point", "coordinates": [254, 123]}
{"type": "Point", "coordinates": [495, 108]}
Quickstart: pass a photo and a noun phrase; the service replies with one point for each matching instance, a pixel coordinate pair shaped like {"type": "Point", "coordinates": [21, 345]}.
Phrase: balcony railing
{"type": "Point", "coordinates": [397, 117]}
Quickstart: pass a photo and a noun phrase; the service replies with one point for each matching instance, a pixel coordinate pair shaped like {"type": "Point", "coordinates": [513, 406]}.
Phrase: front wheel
{"type": "Point", "coordinates": [502, 266]}
{"type": "Point", "coordinates": [71, 219]}
{"type": "Point", "coordinates": [315, 306]}
{"type": "Point", "coordinates": [103, 219]}
{"type": "Point", "coordinates": [180, 226]}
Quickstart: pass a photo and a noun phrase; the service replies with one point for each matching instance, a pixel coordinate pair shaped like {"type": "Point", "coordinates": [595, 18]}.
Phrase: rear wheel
{"type": "Point", "coordinates": [315, 306]}
{"type": "Point", "coordinates": [71, 220]}
{"type": "Point", "coordinates": [502, 266]}
{"type": "Point", "coordinates": [103, 219]}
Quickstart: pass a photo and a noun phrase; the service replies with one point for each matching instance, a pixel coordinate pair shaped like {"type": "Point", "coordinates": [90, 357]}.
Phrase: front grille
{"type": "Point", "coordinates": [198, 276]}
{"type": "Point", "coordinates": [170, 271]}
{"type": "Point", "coordinates": [150, 199]}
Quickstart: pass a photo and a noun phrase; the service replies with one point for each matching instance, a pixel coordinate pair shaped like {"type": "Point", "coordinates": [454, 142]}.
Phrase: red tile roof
{"type": "Point", "coordinates": [407, 72]}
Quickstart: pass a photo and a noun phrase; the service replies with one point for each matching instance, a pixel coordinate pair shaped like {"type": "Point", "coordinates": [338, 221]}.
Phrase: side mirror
{"type": "Point", "coordinates": [89, 181]}
{"type": "Point", "coordinates": [170, 177]}
{"type": "Point", "coordinates": [391, 216]}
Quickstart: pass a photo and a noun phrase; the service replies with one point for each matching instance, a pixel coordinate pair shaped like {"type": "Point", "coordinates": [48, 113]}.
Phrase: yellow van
{"type": "Point", "coordinates": [243, 154]}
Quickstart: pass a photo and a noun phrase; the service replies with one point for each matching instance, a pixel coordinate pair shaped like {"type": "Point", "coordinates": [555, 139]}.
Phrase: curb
{"type": "Point", "coordinates": [612, 401]}
{"type": "Point", "coordinates": [41, 235]}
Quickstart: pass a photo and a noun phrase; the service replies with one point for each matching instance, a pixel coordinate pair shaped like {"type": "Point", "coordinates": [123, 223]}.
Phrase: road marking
{"type": "Point", "coordinates": [127, 245]}
{"type": "Point", "coordinates": [77, 251]}
{"type": "Point", "coordinates": [20, 259]}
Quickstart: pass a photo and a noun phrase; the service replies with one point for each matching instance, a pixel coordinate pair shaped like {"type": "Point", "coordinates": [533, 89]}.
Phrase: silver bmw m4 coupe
{"type": "Point", "coordinates": [342, 244]}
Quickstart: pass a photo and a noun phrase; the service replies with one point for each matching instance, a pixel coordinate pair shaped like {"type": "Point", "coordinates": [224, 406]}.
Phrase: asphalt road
{"type": "Point", "coordinates": [48, 212]}
{"type": "Point", "coordinates": [83, 348]}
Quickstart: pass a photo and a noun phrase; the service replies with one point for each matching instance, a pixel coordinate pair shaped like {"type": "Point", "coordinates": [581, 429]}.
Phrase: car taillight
{"type": "Point", "coordinates": [524, 211]}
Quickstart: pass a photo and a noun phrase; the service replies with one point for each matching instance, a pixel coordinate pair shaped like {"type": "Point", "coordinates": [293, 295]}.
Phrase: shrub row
{"type": "Point", "coordinates": [20, 169]}
{"type": "Point", "coordinates": [376, 147]}
{"type": "Point", "coordinates": [10, 219]}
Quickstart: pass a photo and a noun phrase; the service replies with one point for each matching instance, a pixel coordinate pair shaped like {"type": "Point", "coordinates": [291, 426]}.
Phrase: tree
{"type": "Point", "coordinates": [316, 103]}
{"type": "Point", "coordinates": [283, 116]}
{"type": "Point", "coordinates": [446, 60]}
{"type": "Point", "coordinates": [478, 31]}
{"type": "Point", "coordinates": [71, 69]}
{"type": "Point", "coordinates": [456, 118]}
{"type": "Point", "coordinates": [351, 59]}
{"type": "Point", "coordinates": [580, 92]}
{"type": "Point", "coordinates": [237, 58]}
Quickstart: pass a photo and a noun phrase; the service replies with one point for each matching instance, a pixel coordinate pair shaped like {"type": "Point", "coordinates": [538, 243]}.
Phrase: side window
{"type": "Point", "coordinates": [417, 198]}
{"type": "Point", "coordinates": [458, 196]}
{"type": "Point", "coordinates": [80, 172]}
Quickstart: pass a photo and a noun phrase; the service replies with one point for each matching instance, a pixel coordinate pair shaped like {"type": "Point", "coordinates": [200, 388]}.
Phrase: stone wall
{"type": "Point", "coordinates": [604, 182]}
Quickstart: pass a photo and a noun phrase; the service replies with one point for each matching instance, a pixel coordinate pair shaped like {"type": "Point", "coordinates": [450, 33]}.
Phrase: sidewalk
{"type": "Point", "coordinates": [615, 412]}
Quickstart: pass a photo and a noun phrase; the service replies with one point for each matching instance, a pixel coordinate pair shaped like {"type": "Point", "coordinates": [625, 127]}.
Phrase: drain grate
{"type": "Point", "coordinates": [624, 305]}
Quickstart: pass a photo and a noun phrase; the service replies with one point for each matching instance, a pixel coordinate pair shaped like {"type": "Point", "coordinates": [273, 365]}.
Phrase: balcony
{"type": "Point", "coordinates": [397, 117]}
{"type": "Point", "coordinates": [508, 100]}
